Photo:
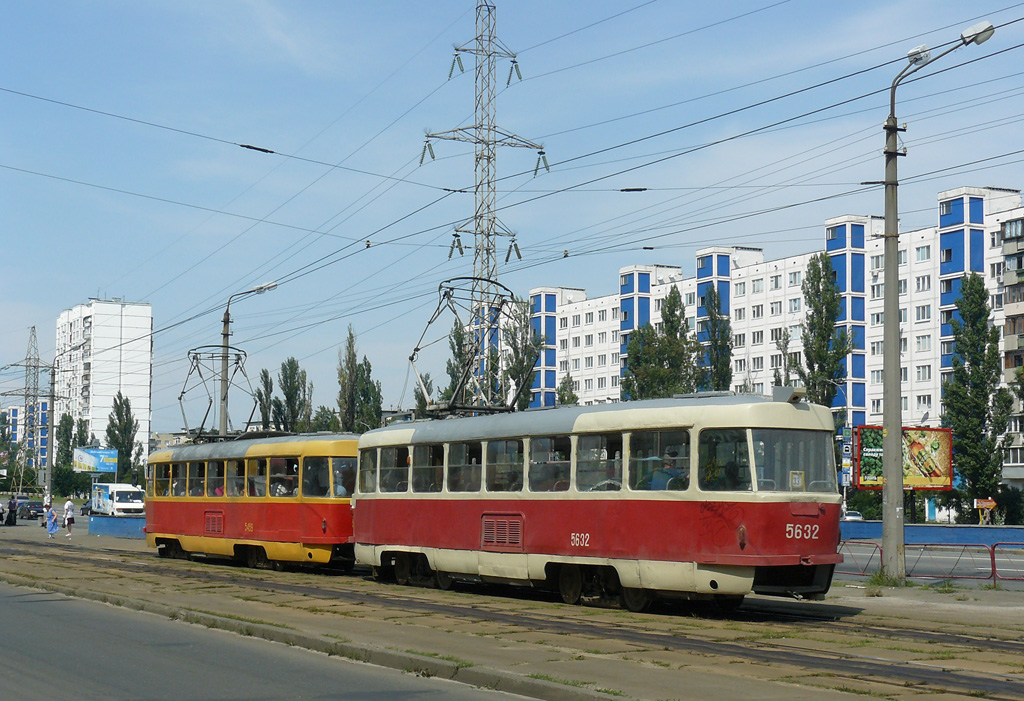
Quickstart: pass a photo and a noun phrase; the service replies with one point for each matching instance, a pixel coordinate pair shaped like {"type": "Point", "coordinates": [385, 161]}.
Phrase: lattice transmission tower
{"type": "Point", "coordinates": [486, 137]}
{"type": "Point", "coordinates": [32, 399]}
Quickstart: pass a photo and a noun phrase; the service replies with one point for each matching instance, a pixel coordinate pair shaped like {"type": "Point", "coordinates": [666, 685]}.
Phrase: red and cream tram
{"type": "Point", "coordinates": [711, 497]}
{"type": "Point", "coordinates": [260, 500]}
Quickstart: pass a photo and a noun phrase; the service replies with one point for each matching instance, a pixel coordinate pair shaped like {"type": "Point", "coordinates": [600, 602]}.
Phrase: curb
{"type": "Point", "coordinates": [481, 677]}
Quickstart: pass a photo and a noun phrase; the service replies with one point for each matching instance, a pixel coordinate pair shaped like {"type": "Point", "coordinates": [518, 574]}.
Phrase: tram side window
{"type": "Point", "coordinates": [394, 469]}
{"type": "Point", "coordinates": [464, 467]}
{"type": "Point", "coordinates": [284, 477]}
{"type": "Point", "coordinates": [427, 468]}
{"type": "Point", "coordinates": [343, 475]}
{"type": "Point", "coordinates": [162, 480]}
{"type": "Point", "coordinates": [790, 460]}
{"type": "Point", "coordinates": [599, 462]}
{"type": "Point", "coordinates": [256, 477]}
{"type": "Point", "coordinates": [196, 479]}
{"type": "Point", "coordinates": [178, 479]}
{"type": "Point", "coordinates": [505, 466]}
{"type": "Point", "coordinates": [549, 464]}
{"type": "Point", "coordinates": [215, 478]}
{"type": "Point", "coordinates": [659, 460]}
{"type": "Point", "coordinates": [234, 482]}
{"type": "Point", "coordinates": [368, 471]}
{"type": "Point", "coordinates": [316, 477]}
{"type": "Point", "coordinates": [724, 460]}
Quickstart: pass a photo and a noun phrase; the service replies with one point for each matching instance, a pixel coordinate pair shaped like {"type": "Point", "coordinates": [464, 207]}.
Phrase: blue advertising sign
{"type": "Point", "coordinates": [95, 460]}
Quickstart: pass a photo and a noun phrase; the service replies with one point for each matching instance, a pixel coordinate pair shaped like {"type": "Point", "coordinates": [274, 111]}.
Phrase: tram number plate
{"type": "Point", "coordinates": [579, 540]}
{"type": "Point", "coordinates": [802, 531]}
{"type": "Point", "coordinates": [249, 527]}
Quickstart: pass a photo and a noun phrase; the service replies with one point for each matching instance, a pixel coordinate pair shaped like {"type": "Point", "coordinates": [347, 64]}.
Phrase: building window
{"type": "Point", "coordinates": [923, 312]}
{"type": "Point", "coordinates": [615, 380]}
{"type": "Point", "coordinates": [794, 332]}
{"type": "Point", "coordinates": [739, 314]}
{"type": "Point", "coordinates": [776, 308]}
{"type": "Point", "coordinates": [625, 315]}
{"type": "Point", "coordinates": [588, 340]}
{"type": "Point", "coordinates": [575, 363]}
{"type": "Point", "coordinates": [615, 313]}
{"type": "Point", "coordinates": [588, 385]}
{"type": "Point", "coordinates": [946, 316]}
{"type": "Point", "coordinates": [757, 311]}
{"type": "Point", "coordinates": [601, 382]}
{"type": "Point", "coordinates": [877, 319]}
{"type": "Point", "coordinates": [947, 255]}
{"type": "Point", "coordinates": [997, 301]}
{"type": "Point", "coordinates": [945, 286]}
{"type": "Point", "coordinates": [563, 344]}
{"type": "Point", "coordinates": [615, 358]}
{"type": "Point", "coordinates": [945, 208]}
{"type": "Point", "coordinates": [776, 334]}
{"type": "Point", "coordinates": [923, 283]}
{"type": "Point", "coordinates": [757, 286]}
{"type": "Point", "coordinates": [996, 269]}
{"type": "Point", "coordinates": [615, 336]}
{"type": "Point", "coordinates": [775, 282]}
{"type": "Point", "coordinates": [877, 291]}
{"type": "Point", "coordinates": [947, 347]}
{"type": "Point", "coordinates": [877, 262]}
{"type": "Point", "coordinates": [924, 373]}
{"type": "Point", "coordinates": [757, 338]}
{"type": "Point", "coordinates": [832, 233]}
{"type": "Point", "coordinates": [623, 280]}
{"type": "Point", "coordinates": [901, 257]}
{"type": "Point", "coordinates": [657, 304]}
{"type": "Point", "coordinates": [740, 365]}
{"type": "Point", "coordinates": [903, 315]}
{"type": "Point", "coordinates": [923, 343]}
{"type": "Point", "coordinates": [575, 341]}
{"type": "Point", "coordinates": [924, 402]}
{"type": "Point", "coordinates": [757, 363]}
{"type": "Point", "coordinates": [923, 253]}
{"type": "Point", "coordinates": [739, 289]}
{"type": "Point", "coordinates": [794, 305]}
{"type": "Point", "coordinates": [563, 322]}
{"type": "Point", "coordinates": [690, 297]}
{"type": "Point", "coordinates": [739, 340]}
{"type": "Point", "coordinates": [904, 374]}
{"type": "Point", "coordinates": [876, 406]}
{"type": "Point", "coordinates": [563, 366]}
{"type": "Point", "coordinates": [588, 362]}
{"type": "Point", "coordinates": [877, 377]}
{"type": "Point", "coordinates": [776, 360]}
{"type": "Point", "coordinates": [876, 348]}
{"type": "Point", "coordinates": [901, 287]}
{"type": "Point", "coordinates": [602, 360]}
{"type": "Point", "coordinates": [602, 315]}
{"type": "Point", "coordinates": [794, 279]}
{"type": "Point", "coordinates": [602, 337]}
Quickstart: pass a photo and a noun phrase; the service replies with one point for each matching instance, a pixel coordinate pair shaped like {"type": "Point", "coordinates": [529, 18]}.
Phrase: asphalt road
{"type": "Point", "coordinates": [132, 655]}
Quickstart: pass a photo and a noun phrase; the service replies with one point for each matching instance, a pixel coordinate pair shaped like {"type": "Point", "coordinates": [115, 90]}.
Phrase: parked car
{"type": "Point", "coordinates": [853, 516]}
{"type": "Point", "coordinates": [30, 510]}
{"type": "Point", "coordinates": [87, 507]}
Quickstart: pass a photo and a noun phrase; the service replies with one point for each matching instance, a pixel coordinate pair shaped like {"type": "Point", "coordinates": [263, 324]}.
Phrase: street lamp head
{"type": "Point", "coordinates": [978, 33]}
{"type": "Point", "coordinates": [919, 54]}
{"type": "Point", "coordinates": [265, 287]}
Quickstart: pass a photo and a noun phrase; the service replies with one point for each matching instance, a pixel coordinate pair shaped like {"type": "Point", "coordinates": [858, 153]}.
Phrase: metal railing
{"type": "Point", "coordinates": [1001, 561]}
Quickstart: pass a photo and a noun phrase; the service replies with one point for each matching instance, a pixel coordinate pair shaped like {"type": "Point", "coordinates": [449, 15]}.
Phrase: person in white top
{"type": "Point", "coordinates": [69, 515]}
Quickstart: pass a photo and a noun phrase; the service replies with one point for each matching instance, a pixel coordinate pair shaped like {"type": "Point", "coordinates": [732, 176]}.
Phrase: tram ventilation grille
{"type": "Point", "coordinates": [214, 523]}
{"type": "Point", "coordinates": [502, 532]}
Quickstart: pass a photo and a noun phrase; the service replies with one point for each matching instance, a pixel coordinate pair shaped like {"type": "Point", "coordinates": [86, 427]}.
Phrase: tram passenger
{"type": "Point", "coordinates": [670, 475]}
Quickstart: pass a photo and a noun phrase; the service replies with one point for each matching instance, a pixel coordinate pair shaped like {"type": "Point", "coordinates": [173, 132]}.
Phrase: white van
{"type": "Point", "coordinates": [118, 500]}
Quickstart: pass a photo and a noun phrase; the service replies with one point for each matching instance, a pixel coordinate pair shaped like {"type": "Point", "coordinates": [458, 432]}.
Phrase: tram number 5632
{"type": "Point", "coordinates": [579, 540]}
{"type": "Point", "coordinates": [802, 531]}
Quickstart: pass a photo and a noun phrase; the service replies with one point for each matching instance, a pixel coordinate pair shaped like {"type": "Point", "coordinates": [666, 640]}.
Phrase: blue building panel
{"type": "Point", "coordinates": [858, 394]}
{"type": "Point", "coordinates": [550, 358]}
{"type": "Point", "coordinates": [549, 330]}
{"type": "Point", "coordinates": [535, 304]}
{"type": "Point", "coordinates": [723, 297]}
{"type": "Point", "coordinates": [857, 336]}
{"type": "Point", "coordinates": [839, 267]}
{"type": "Point", "coordinates": [857, 309]}
{"type": "Point", "coordinates": [644, 282]}
{"type": "Point", "coordinates": [837, 242]}
{"type": "Point", "coordinates": [858, 418]}
{"type": "Point", "coordinates": [550, 303]}
{"type": "Point", "coordinates": [947, 298]}
{"type": "Point", "coordinates": [856, 272]}
{"type": "Point", "coordinates": [535, 325]}
{"type": "Point", "coordinates": [643, 311]}
{"type": "Point", "coordinates": [955, 216]}
{"type": "Point", "coordinates": [549, 398]}
{"type": "Point", "coordinates": [535, 400]}
{"type": "Point", "coordinates": [549, 379]}
{"type": "Point", "coordinates": [702, 291]}
{"type": "Point", "coordinates": [977, 210]}
{"type": "Point", "coordinates": [857, 371]}
{"type": "Point", "coordinates": [856, 236]}
{"type": "Point", "coordinates": [952, 262]}
{"type": "Point", "coordinates": [626, 284]}
{"type": "Point", "coordinates": [705, 267]}
{"type": "Point", "coordinates": [723, 266]}
{"type": "Point", "coordinates": [842, 309]}
{"type": "Point", "coordinates": [947, 360]}
{"type": "Point", "coordinates": [977, 251]}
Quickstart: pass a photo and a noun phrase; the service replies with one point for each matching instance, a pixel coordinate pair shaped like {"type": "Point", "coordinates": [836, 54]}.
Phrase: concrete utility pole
{"type": "Point", "coordinates": [486, 137]}
{"type": "Point", "coordinates": [893, 545]}
{"type": "Point", "coordinates": [225, 336]}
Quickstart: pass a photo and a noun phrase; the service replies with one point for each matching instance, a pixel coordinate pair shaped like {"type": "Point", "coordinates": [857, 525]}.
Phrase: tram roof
{"type": "Point", "coordinates": [239, 447]}
{"type": "Point", "coordinates": [677, 411]}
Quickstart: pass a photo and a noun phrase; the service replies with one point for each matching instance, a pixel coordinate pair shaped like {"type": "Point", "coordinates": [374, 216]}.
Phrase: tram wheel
{"type": "Point", "coordinates": [403, 568]}
{"type": "Point", "coordinates": [570, 583]}
{"type": "Point", "coordinates": [443, 580]}
{"type": "Point", "coordinates": [635, 600]}
{"type": "Point", "coordinates": [728, 604]}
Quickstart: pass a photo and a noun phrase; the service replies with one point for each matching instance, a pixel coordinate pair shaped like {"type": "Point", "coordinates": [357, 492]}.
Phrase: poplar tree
{"type": "Point", "coordinates": [719, 348]}
{"type": "Point", "coordinates": [825, 347]}
{"type": "Point", "coordinates": [975, 406]}
{"type": "Point", "coordinates": [666, 362]}
{"type": "Point", "coordinates": [520, 348]}
{"type": "Point", "coordinates": [122, 427]}
{"type": "Point", "coordinates": [564, 393]}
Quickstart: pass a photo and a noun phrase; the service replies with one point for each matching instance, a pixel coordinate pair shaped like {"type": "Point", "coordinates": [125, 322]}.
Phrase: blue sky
{"type": "Point", "coordinates": [121, 174]}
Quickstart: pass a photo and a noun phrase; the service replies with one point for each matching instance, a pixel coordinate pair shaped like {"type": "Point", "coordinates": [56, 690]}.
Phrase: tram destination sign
{"type": "Point", "coordinates": [927, 458]}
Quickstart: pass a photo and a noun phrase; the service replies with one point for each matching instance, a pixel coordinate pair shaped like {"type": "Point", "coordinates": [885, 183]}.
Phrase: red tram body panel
{"type": "Point", "coordinates": [711, 496]}
{"type": "Point", "coordinates": [277, 499]}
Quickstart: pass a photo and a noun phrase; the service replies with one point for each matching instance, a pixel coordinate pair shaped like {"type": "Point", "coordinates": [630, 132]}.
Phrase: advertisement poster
{"type": "Point", "coordinates": [927, 458]}
{"type": "Point", "coordinates": [95, 460]}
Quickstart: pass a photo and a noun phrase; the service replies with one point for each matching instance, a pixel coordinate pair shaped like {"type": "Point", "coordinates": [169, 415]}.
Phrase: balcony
{"type": "Point", "coordinates": [1011, 342]}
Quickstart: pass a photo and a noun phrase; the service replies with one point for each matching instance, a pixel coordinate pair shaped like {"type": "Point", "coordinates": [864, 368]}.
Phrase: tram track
{"type": "Point", "coordinates": [762, 649]}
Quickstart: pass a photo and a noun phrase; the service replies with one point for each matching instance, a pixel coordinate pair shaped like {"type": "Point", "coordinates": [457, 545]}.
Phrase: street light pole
{"type": "Point", "coordinates": [893, 545]}
{"type": "Point", "coordinates": [225, 335]}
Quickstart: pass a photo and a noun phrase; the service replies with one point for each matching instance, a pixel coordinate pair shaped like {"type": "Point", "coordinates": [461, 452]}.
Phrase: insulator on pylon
{"type": "Point", "coordinates": [456, 243]}
{"type": "Point", "coordinates": [565, 253]}
{"type": "Point", "coordinates": [541, 158]}
{"type": "Point", "coordinates": [430, 148]}
{"type": "Point", "coordinates": [456, 59]}
{"type": "Point", "coordinates": [427, 148]}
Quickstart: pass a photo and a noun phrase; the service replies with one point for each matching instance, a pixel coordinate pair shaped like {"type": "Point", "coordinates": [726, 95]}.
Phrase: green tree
{"type": "Point", "coordinates": [370, 399]}
{"type": "Point", "coordinates": [666, 362]}
{"type": "Point", "coordinates": [825, 348]}
{"type": "Point", "coordinates": [564, 393]}
{"type": "Point", "coordinates": [325, 419]}
{"type": "Point", "coordinates": [265, 398]}
{"type": "Point", "coordinates": [462, 357]}
{"type": "Point", "coordinates": [65, 438]}
{"type": "Point", "coordinates": [81, 433]}
{"type": "Point", "coordinates": [521, 348]}
{"type": "Point", "coordinates": [122, 427]}
{"type": "Point", "coordinates": [719, 348]}
{"type": "Point", "coordinates": [348, 383]}
{"type": "Point", "coordinates": [294, 401]}
{"type": "Point", "coordinates": [975, 406]}
{"type": "Point", "coordinates": [421, 399]}
{"type": "Point", "coordinates": [785, 377]}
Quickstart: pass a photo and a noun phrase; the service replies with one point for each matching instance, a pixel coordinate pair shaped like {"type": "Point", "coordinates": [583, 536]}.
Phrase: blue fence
{"type": "Point", "coordinates": [936, 533]}
{"type": "Point", "coordinates": [118, 527]}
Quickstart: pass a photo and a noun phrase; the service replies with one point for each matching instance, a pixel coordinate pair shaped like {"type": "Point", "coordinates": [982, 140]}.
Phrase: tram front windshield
{"type": "Point", "coordinates": [789, 460]}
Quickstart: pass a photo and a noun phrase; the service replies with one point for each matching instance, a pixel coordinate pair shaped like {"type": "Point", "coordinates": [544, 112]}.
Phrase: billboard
{"type": "Point", "coordinates": [927, 458]}
{"type": "Point", "coordinates": [95, 460]}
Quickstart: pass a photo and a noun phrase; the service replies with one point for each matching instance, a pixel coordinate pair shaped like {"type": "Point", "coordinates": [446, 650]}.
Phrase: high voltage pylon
{"type": "Point", "coordinates": [32, 396]}
{"type": "Point", "coordinates": [486, 137]}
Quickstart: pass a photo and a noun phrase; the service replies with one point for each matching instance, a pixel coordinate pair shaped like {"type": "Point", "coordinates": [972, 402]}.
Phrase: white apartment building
{"type": "Point", "coordinates": [105, 347]}
{"type": "Point", "coordinates": [587, 337]}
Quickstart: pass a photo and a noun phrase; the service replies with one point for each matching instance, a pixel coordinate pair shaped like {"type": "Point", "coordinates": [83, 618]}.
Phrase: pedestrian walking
{"type": "Point", "coordinates": [51, 521]}
{"type": "Point", "coordinates": [69, 515]}
{"type": "Point", "coordinates": [12, 511]}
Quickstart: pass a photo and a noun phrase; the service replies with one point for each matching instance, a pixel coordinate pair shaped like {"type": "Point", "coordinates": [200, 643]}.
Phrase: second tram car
{"type": "Point", "coordinates": [708, 497]}
{"type": "Point", "coordinates": [262, 500]}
